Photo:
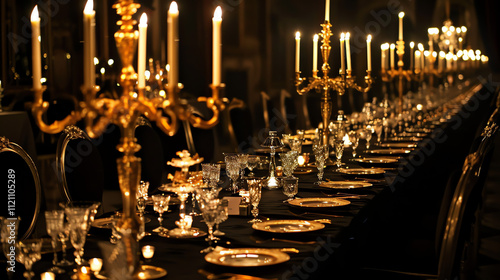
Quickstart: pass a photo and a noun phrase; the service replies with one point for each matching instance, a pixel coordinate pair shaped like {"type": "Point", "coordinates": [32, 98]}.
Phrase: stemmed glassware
{"type": "Point", "coordinates": [338, 144]}
{"type": "Point", "coordinates": [290, 187]}
{"type": "Point", "coordinates": [321, 157]}
{"type": "Point", "coordinates": [242, 161]}
{"type": "Point", "coordinates": [222, 215]}
{"type": "Point", "coordinates": [255, 191]}
{"type": "Point", "coordinates": [78, 219]}
{"type": "Point", "coordinates": [64, 237]}
{"type": "Point", "coordinates": [378, 125]}
{"type": "Point", "coordinates": [209, 211]}
{"type": "Point", "coordinates": [289, 162]}
{"type": "Point", "coordinates": [368, 135]}
{"type": "Point", "coordinates": [142, 198]}
{"type": "Point", "coordinates": [272, 142]}
{"type": "Point", "coordinates": [253, 161]}
{"type": "Point", "coordinates": [160, 205]}
{"type": "Point", "coordinates": [29, 252]}
{"type": "Point", "coordinates": [232, 171]}
{"type": "Point", "coordinates": [55, 224]}
{"type": "Point", "coordinates": [354, 139]}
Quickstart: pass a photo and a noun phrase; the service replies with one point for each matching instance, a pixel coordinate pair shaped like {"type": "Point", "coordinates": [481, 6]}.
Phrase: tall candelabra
{"type": "Point", "coordinates": [98, 112]}
{"type": "Point", "coordinates": [325, 84]}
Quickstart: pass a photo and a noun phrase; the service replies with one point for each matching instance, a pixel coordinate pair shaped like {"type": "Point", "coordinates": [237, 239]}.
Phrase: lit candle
{"type": "Point", "coordinates": [88, 43]}
{"type": "Point", "coordinates": [384, 47]}
{"type": "Point", "coordinates": [369, 52]}
{"type": "Point", "coordinates": [47, 276]}
{"type": "Point", "coordinates": [327, 10]}
{"type": "Point", "coordinates": [401, 15]}
{"type": "Point", "coordinates": [342, 53]}
{"type": "Point", "coordinates": [216, 48]}
{"type": "Point", "coordinates": [95, 264]}
{"type": "Point", "coordinates": [297, 51]}
{"type": "Point", "coordinates": [148, 251]}
{"type": "Point", "coordinates": [35, 49]}
{"type": "Point", "coordinates": [173, 45]}
{"type": "Point", "coordinates": [412, 45]}
{"type": "Point", "coordinates": [392, 55]}
{"type": "Point", "coordinates": [417, 60]}
{"type": "Point", "coordinates": [315, 52]}
{"type": "Point", "coordinates": [427, 59]}
{"type": "Point", "coordinates": [348, 51]}
{"type": "Point", "coordinates": [422, 61]}
{"type": "Point", "coordinates": [141, 60]}
{"type": "Point", "coordinates": [83, 274]}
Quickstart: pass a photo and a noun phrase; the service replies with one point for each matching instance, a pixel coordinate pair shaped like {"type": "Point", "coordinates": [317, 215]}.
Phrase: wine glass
{"type": "Point", "coordinates": [55, 224]}
{"type": "Point", "coordinates": [319, 154]}
{"type": "Point", "coordinates": [378, 130]}
{"type": "Point", "coordinates": [242, 161]}
{"type": "Point", "coordinates": [209, 211]}
{"type": "Point", "coordinates": [78, 225]}
{"type": "Point", "coordinates": [368, 135]}
{"type": "Point", "coordinates": [253, 162]}
{"type": "Point", "coordinates": [354, 139]}
{"type": "Point", "coordinates": [290, 187]}
{"type": "Point", "coordinates": [29, 252]}
{"type": "Point", "coordinates": [160, 204]}
{"type": "Point", "coordinates": [254, 190]}
{"type": "Point", "coordinates": [232, 171]}
{"type": "Point", "coordinates": [222, 215]}
{"type": "Point", "coordinates": [339, 151]}
{"type": "Point", "coordinates": [64, 237]}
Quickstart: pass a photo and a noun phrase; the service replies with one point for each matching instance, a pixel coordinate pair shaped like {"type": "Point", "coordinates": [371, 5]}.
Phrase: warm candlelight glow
{"type": "Point", "coordinates": [34, 14]}
{"type": "Point", "coordinates": [89, 7]}
{"type": "Point", "coordinates": [297, 51]}
{"type": "Point", "coordinates": [401, 15]}
{"type": "Point", "coordinates": [47, 276]}
{"type": "Point", "coordinates": [141, 58]}
{"type": "Point", "coordinates": [36, 49]}
{"type": "Point", "coordinates": [174, 9]}
{"type": "Point", "coordinates": [148, 251]}
{"type": "Point", "coordinates": [369, 52]}
{"type": "Point", "coordinates": [315, 52]}
{"type": "Point", "coordinates": [216, 46]}
{"type": "Point", "coordinates": [392, 46]}
{"type": "Point", "coordinates": [348, 50]}
{"type": "Point", "coordinates": [173, 45]}
{"type": "Point", "coordinates": [342, 53]}
{"type": "Point", "coordinates": [95, 264]}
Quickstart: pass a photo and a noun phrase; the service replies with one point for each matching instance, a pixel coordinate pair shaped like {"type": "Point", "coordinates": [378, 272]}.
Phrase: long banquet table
{"type": "Point", "coordinates": [334, 250]}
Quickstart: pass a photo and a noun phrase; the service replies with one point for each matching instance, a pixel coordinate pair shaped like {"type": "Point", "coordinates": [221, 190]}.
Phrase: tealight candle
{"type": "Point", "coordinates": [95, 264]}
{"type": "Point", "coordinates": [47, 276]}
{"type": "Point", "coordinates": [83, 274]}
{"type": "Point", "coordinates": [279, 171]}
{"type": "Point", "coordinates": [148, 251]}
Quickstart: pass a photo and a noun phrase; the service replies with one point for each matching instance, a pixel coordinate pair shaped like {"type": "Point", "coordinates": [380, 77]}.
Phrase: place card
{"type": "Point", "coordinates": [233, 204]}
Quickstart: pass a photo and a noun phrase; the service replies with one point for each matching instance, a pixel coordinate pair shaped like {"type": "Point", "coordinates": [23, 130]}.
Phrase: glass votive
{"type": "Point", "coordinates": [95, 264]}
{"type": "Point", "coordinates": [148, 251]}
{"type": "Point", "coordinates": [47, 276]}
{"type": "Point", "coordinates": [279, 171]}
{"type": "Point", "coordinates": [84, 273]}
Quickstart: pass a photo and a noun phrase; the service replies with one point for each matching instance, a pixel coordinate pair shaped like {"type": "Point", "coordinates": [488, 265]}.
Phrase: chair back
{"type": "Point", "coordinates": [79, 166]}
{"type": "Point", "coordinates": [21, 192]}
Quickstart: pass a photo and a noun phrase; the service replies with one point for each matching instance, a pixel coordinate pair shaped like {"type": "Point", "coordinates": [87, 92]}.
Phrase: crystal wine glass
{"type": "Point", "coordinates": [209, 211]}
{"type": "Point", "coordinates": [319, 154]}
{"type": "Point", "coordinates": [378, 125]}
{"type": "Point", "coordinates": [29, 252]}
{"type": "Point", "coordinates": [253, 161]}
{"type": "Point", "coordinates": [255, 191]}
{"type": "Point", "coordinates": [78, 224]}
{"type": "Point", "coordinates": [290, 187]}
{"type": "Point", "coordinates": [160, 205]}
{"type": "Point", "coordinates": [242, 161]}
{"type": "Point", "coordinates": [64, 238]}
{"type": "Point", "coordinates": [222, 215]}
{"type": "Point", "coordinates": [232, 171]}
{"type": "Point", "coordinates": [354, 139]}
{"type": "Point", "coordinates": [55, 224]}
{"type": "Point", "coordinates": [368, 135]}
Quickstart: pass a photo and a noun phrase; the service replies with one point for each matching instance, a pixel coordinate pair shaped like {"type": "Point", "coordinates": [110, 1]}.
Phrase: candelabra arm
{"type": "Point", "coordinates": [215, 104]}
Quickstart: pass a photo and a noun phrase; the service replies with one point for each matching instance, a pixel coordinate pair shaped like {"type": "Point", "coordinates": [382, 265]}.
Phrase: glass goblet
{"type": "Point", "coordinates": [354, 139]}
{"type": "Point", "coordinates": [252, 163]}
{"type": "Point", "coordinates": [378, 130]}
{"type": "Point", "coordinates": [78, 224]}
{"type": "Point", "coordinates": [160, 205]}
{"type": "Point", "coordinates": [55, 224]}
{"type": "Point", "coordinates": [320, 157]}
{"type": "Point", "coordinates": [368, 135]}
{"type": "Point", "coordinates": [222, 215]}
{"type": "Point", "coordinates": [232, 171]}
{"type": "Point", "coordinates": [255, 192]}
{"type": "Point", "coordinates": [242, 161]}
{"type": "Point", "coordinates": [209, 211]}
{"type": "Point", "coordinates": [64, 238]}
{"type": "Point", "coordinates": [29, 252]}
{"type": "Point", "coordinates": [290, 187]}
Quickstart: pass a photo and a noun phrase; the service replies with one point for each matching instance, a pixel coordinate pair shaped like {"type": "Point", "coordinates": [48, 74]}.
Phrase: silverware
{"type": "Point", "coordinates": [230, 276]}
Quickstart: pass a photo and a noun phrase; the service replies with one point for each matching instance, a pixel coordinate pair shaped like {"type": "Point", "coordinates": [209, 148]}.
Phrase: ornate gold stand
{"type": "Point", "coordinates": [325, 84]}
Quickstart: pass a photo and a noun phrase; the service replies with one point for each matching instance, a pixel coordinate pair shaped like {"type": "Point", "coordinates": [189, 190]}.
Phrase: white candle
{"type": "Point", "coordinates": [315, 52]}
{"type": "Point", "coordinates": [449, 57]}
{"type": "Point", "coordinates": [348, 51]}
{"type": "Point", "coordinates": [384, 47]}
{"type": "Point", "coordinates": [148, 251]}
{"type": "Point", "coordinates": [417, 59]}
{"type": "Point", "coordinates": [47, 276]}
{"type": "Point", "coordinates": [401, 15]}
{"type": "Point", "coordinates": [297, 51]}
{"type": "Point", "coordinates": [342, 53]}
{"type": "Point", "coordinates": [369, 52]}
{"type": "Point", "coordinates": [392, 55]}
{"type": "Point", "coordinates": [442, 56]}
{"type": "Point", "coordinates": [95, 264]}
{"type": "Point", "coordinates": [327, 10]}
{"type": "Point", "coordinates": [173, 45]}
{"type": "Point", "coordinates": [412, 45]}
{"type": "Point", "coordinates": [88, 45]}
{"type": "Point", "coordinates": [216, 47]}
{"type": "Point", "coordinates": [141, 60]}
{"type": "Point", "coordinates": [35, 49]}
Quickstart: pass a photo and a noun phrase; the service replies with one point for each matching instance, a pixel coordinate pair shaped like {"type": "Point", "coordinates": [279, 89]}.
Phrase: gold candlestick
{"type": "Point", "coordinates": [325, 84]}
{"type": "Point", "coordinates": [98, 112]}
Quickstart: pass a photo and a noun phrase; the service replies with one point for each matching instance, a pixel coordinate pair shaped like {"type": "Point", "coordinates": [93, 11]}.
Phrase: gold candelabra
{"type": "Point", "coordinates": [98, 112]}
{"type": "Point", "coordinates": [325, 84]}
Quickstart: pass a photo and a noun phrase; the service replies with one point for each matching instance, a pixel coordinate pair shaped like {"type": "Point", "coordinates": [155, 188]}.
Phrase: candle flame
{"type": "Point", "coordinates": [392, 46]}
{"type": "Point", "coordinates": [315, 37]}
{"type": "Point", "coordinates": [34, 14]}
{"type": "Point", "coordinates": [342, 36]}
{"type": "Point", "coordinates": [401, 14]}
{"type": "Point", "coordinates": [84, 270]}
{"type": "Point", "coordinates": [347, 35]}
{"type": "Point", "coordinates": [89, 7]}
{"type": "Point", "coordinates": [173, 8]}
{"type": "Point", "coordinates": [384, 46]}
{"type": "Point", "coordinates": [417, 53]}
{"type": "Point", "coordinates": [297, 35]}
{"type": "Point", "coordinates": [218, 13]}
{"type": "Point", "coordinates": [464, 29]}
{"type": "Point", "coordinates": [434, 54]}
{"type": "Point", "coordinates": [420, 47]}
{"type": "Point", "coordinates": [412, 44]}
{"type": "Point", "coordinates": [144, 19]}
{"type": "Point", "coordinates": [369, 38]}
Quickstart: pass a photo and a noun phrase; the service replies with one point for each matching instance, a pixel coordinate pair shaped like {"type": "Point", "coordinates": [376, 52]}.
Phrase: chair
{"type": "Point", "coordinates": [79, 166]}
{"type": "Point", "coordinates": [22, 194]}
{"type": "Point", "coordinates": [226, 140]}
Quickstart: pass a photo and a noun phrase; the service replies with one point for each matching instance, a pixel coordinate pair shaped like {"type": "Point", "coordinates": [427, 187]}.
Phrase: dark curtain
{"type": "Point", "coordinates": [489, 26]}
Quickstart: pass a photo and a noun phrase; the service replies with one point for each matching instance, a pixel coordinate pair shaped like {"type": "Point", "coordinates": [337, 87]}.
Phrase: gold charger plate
{"type": "Point", "coordinates": [377, 160]}
{"type": "Point", "coordinates": [103, 223]}
{"type": "Point", "coordinates": [399, 145]}
{"type": "Point", "coordinates": [288, 226]}
{"type": "Point", "coordinates": [146, 272]}
{"type": "Point", "coordinates": [246, 257]}
{"type": "Point", "coordinates": [194, 233]}
{"type": "Point", "coordinates": [362, 171]}
{"type": "Point", "coordinates": [345, 184]}
{"type": "Point", "coordinates": [389, 151]}
{"type": "Point", "coordinates": [302, 171]}
{"type": "Point", "coordinates": [319, 202]}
